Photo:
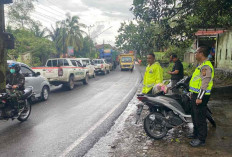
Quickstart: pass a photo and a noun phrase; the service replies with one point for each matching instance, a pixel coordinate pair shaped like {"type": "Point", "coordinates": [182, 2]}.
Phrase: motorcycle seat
{"type": "Point", "coordinates": [176, 97]}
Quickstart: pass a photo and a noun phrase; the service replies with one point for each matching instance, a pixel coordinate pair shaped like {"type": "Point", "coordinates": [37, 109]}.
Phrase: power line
{"type": "Point", "coordinates": [102, 32]}
{"type": "Point", "coordinates": [43, 18]}
{"type": "Point", "coordinates": [48, 11]}
{"type": "Point", "coordinates": [47, 16]}
{"type": "Point", "coordinates": [54, 5]}
{"type": "Point", "coordinates": [60, 13]}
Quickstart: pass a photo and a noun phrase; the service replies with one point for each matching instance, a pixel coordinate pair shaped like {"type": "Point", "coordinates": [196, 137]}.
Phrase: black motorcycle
{"type": "Point", "coordinates": [167, 111]}
{"type": "Point", "coordinates": [21, 110]}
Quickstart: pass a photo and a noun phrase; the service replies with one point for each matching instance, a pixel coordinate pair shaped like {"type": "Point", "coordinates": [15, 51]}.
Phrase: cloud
{"type": "Point", "coordinates": [66, 5]}
{"type": "Point", "coordinates": [112, 8]}
{"type": "Point", "coordinates": [100, 13]}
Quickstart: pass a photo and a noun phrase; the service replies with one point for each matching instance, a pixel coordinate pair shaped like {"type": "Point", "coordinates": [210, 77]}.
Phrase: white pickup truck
{"type": "Point", "coordinates": [101, 66]}
{"type": "Point", "coordinates": [86, 62]}
{"type": "Point", "coordinates": [64, 71]}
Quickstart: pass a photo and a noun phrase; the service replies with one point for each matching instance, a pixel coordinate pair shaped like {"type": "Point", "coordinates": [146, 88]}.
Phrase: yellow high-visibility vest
{"type": "Point", "coordinates": [153, 75]}
{"type": "Point", "coordinates": [196, 82]}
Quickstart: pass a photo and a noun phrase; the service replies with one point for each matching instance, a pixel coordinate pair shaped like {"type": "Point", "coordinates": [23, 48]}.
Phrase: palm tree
{"type": "Point", "coordinates": [37, 31]}
{"type": "Point", "coordinates": [56, 35]}
{"type": "Point", "coordinates": [74, 34]}
{"type": "Point", "coordinates": [67, 33]}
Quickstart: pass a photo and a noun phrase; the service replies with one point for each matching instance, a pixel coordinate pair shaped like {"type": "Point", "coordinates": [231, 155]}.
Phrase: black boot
{"type": "Point", "coordinates": [197, 143]}
{"type": "Point", "coordinates": [191, 136]}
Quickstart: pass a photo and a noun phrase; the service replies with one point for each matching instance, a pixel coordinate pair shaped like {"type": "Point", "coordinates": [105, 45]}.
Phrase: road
{"type": "Point", "coordinates": [70, 122]}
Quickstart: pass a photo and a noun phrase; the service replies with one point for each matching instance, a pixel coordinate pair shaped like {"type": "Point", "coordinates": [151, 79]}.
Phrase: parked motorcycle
{"type": "Point", "coordinates": [167, 111]}
{"type": "Point", "coordinates": [8, 109]}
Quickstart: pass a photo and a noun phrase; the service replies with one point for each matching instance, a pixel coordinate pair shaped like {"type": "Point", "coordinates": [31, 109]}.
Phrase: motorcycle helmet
{"type": "Point", "coordinates": [159, 87]}
{"type": "Point", "coordinates": [16, 66]}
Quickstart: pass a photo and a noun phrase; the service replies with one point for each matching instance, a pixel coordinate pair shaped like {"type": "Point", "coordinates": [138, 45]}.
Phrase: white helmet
{"type": "Point", "coordinates": [159, 87]}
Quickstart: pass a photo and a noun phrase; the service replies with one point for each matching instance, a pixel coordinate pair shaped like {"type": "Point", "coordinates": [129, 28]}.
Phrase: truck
{"type": "Point", "coordinates": [65, 71]}
{"type": "Point", "coordinates": [86, 62]}
{"type": "Point", "coordinates": [101, 66]}
{"type": "Point", "coordinates": [126, 61]}
{"type": "Point", "coordinates": [110, 56]}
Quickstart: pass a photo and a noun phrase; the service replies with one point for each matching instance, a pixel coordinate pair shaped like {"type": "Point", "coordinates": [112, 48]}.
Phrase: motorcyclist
{"type": "Point", "coordinates": [16, 80]}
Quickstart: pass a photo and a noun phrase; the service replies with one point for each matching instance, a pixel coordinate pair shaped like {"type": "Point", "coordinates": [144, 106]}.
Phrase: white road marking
{"type": "Point", "coordinates": [80, 139]}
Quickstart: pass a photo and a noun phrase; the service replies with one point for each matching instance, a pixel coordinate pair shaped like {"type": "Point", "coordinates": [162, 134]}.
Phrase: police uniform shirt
{"type": "Point", "coordinates": [206, 73]}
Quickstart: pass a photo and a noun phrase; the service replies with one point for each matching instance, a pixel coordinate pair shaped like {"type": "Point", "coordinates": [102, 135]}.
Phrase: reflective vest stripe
{"type": "Point", "coordinates": [198, 90]}
{"type": "Point", "coordinates": [149, 85]}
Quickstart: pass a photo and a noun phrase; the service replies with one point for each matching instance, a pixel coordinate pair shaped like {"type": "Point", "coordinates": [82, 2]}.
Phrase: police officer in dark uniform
{"type": "Point", "coordinates": [200, 85]}
{"type": "Point", "coordinates": [17, 81]}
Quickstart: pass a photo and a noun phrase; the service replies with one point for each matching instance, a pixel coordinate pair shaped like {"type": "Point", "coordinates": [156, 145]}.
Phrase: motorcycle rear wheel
{"type": "Point", "coordinates": [26, 112]}
{"type": "Point", "coordinates": [154, 128]}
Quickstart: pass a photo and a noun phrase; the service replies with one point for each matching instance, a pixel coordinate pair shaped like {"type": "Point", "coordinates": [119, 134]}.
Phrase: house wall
{"type": "Point", "coordinates": [189, 57]}
{"type": "Point", "coordinates": [224, 50]}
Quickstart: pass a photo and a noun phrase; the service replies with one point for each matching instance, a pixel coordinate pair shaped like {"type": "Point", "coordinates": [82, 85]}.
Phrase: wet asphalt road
{"type": "Point", "coordinates": [70, 122]}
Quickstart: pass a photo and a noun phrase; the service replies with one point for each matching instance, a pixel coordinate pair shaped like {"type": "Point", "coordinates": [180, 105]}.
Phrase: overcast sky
{"type": "Point", "coordinates": [99, 14]}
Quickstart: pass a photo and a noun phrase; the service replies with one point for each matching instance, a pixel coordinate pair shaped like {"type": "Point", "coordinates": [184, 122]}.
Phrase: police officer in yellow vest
{"type": "Point", "coordinates": [200, 85]}
{"type": "Point", "coordinates": [153, 74]}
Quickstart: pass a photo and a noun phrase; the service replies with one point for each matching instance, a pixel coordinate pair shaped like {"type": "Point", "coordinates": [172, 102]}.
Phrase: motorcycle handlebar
{"type": "Point", "coordinates": [178, 85]}
{"type": "Point", "coordinates": [183, 82]}
{"type": "Point", "coordinates": [9, 87]}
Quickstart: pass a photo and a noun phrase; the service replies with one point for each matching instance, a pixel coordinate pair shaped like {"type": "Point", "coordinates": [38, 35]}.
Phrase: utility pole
{"type": "Point", "coordinates": [63, 37]}
{"type": "Point", "coordinates": [2, 50]}
{"type": "Point", "coordinates": [89, 28]}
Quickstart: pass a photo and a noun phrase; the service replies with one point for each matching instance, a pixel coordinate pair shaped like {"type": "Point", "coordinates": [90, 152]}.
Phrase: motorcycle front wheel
{"type": "Point", "coordinates": [154, 126]}
{"type": "Point", "coordinates": [26, 112]}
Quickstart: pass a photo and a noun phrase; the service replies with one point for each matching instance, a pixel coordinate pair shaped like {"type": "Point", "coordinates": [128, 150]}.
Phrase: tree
{"type": "Point", "coordinates": [56, 35]}
{"type": "Point", "coordinates": [38, 30]}
{"type": "Point", "coordinates": [180, 19]}
{"type": "Point", "coordinates": [19, 13]}
{"type": "Point", "coordinates": [139, 37]}
{"type": "Point", "coordinates": [70, 31]}
{"type": "Point", "coordinates": [74, 34]}
{"type": "Point", "coordinates": [26, 42]}
{"type": "Point", "coordinates": [86, 51]}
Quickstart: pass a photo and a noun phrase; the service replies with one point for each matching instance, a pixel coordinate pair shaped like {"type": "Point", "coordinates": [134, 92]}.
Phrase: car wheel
{"type": "Point", "coordinates": [45, 93]}
{"type": "Point", "coordinates": [104, 72]}
{"type": "Point", "coordinates": [86, 80]}
{"type": "Point", "coordinates": [71, 83]}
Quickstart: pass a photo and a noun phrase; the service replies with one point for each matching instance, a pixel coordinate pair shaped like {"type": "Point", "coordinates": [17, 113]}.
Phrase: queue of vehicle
{"type": "Point", "coordinates": [60, 71]}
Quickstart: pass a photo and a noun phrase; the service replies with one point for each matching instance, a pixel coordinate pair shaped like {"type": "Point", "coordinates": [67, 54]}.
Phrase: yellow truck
{"type": "Point", "coordinates": [127, 61]}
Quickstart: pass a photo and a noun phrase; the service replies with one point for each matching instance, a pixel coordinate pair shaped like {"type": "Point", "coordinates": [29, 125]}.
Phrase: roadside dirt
{"type": "Point", "coordinates": [134, 141]}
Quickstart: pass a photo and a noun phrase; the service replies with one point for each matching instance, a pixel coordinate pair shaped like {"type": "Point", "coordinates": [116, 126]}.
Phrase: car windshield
{"type": "Point", "coordinates": [98, 61]}
{"type": "Point", "coordinates": [126, 59]}
{"type": "Point", "coordinates": [84, 62]}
